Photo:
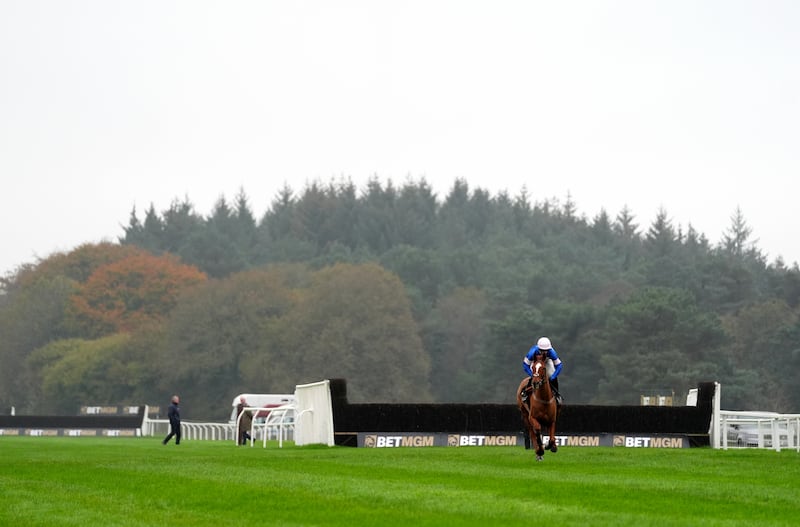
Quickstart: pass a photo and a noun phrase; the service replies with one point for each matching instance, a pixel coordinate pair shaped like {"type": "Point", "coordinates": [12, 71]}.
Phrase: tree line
{"type": "Point", "coordinates": [408, 296]}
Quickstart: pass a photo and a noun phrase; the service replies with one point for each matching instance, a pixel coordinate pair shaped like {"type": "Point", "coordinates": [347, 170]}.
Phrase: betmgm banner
{"type": "Point", "coordinates": [73, 432]}
{"type": "Point", "coordinates": [398, 440]}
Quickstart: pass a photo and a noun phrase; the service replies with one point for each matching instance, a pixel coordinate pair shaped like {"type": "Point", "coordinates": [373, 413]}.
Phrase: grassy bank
{"type": "Point", "coordinates": [119, 481]}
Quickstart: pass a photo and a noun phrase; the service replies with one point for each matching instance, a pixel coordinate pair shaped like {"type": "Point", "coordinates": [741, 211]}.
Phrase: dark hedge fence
{"type": "Point", "coordinates": [350, 419]}
{"type": "Point", "coordinates": [75, 422]}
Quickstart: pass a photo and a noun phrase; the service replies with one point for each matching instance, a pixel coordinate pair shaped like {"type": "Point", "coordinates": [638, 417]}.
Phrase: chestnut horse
{"type": "Point", "coordinates": [540, 409]}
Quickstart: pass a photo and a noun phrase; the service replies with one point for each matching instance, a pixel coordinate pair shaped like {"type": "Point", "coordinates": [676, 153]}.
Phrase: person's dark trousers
{"type": "Point", "coordinates": [176, 431]}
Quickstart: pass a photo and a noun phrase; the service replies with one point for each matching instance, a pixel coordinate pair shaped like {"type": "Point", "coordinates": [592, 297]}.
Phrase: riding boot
{"type": "Point", "coordinates": [554, 388]}
{"type": "Point", "coordinates": [525, 390]}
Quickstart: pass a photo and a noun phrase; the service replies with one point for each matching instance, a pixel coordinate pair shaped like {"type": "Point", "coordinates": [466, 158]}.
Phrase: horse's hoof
{"type": "Point", "coordinates": [539, 458]}
{"type": "Point", "coordinates": [553, 449]}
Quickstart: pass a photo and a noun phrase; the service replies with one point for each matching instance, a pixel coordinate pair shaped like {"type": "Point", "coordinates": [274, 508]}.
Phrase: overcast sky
{"type": "Point", "coordinates": [693, 106]}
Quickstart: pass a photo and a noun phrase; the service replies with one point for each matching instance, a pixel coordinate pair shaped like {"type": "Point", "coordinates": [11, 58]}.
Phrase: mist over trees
{"type": "Point", "coordinates": [409, 296]}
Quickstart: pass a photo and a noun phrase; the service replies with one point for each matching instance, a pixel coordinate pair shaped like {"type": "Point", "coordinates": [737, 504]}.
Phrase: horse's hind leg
{"type": "Point", "coordinates": [526, 432]}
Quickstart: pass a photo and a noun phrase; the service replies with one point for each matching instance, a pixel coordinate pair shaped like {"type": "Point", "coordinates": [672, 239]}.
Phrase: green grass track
{"type": "Point", "coordinates": [53, 481]}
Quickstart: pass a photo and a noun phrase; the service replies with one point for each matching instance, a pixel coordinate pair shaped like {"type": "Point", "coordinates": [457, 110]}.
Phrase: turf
{"type": "Point", "coordinates": [122, 481]}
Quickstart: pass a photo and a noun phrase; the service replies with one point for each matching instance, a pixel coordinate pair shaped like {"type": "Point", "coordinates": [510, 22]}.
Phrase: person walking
{"type": "Point", "coordinates": [174, 414]}
{"type": "Point", "coordinates": [245, 421]}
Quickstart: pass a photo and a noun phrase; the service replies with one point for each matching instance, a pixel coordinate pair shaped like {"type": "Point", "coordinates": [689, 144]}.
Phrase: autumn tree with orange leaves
{"type": "Point", "coordinates": [33, 307]}
{"type": "Point", "coordinates": [123, 295]}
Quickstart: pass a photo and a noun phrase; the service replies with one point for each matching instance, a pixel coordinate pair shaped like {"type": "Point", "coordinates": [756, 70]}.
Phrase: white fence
{"type": "Point", "coordinates": [731, 429]}
{"type": "Point", "coordinates": [758, 430]}
{"type": "Point", "coordinates": [190, 430]}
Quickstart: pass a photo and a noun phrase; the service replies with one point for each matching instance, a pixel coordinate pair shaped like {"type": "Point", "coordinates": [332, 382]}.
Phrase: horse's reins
{"type": "Point", "coordinates": [535, 386]}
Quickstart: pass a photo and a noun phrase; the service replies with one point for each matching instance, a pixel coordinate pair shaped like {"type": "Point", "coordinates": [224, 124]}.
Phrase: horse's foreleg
{"type": "Point", "coordinates": [539, 446]}
{"type": "Point", "coordinates": [537, 433]}
{"type": "Point", "coordinates": [552, 445]}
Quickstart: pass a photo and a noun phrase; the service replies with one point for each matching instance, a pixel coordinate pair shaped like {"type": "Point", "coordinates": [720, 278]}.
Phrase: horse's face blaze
{"type": "Point", "coordinates": [538, 374]}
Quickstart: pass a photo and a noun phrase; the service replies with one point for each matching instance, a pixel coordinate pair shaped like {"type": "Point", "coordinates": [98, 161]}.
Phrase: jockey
{"type": "Point", "coordinates": [545, 349]}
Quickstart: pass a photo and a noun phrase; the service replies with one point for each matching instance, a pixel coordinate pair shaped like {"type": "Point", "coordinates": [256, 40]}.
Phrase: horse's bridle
{"type": "Point", "coordinates": [542, 376]}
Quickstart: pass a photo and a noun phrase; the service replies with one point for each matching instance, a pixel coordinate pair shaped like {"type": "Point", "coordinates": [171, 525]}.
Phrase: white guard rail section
{"type": "Point", "coordinates": [191, 430]}
{"type": "Point", "coordinates": [279, 424]}
{"type": "Point", "coordinates": [758, 430]}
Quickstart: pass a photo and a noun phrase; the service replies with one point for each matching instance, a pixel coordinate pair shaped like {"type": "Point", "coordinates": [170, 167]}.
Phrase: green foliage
{"type": "Point", "coordinates": [630, 308]}
{"type": "Point", "coordinates": [351, 321]}
{"type": "Point", "coordinates": [658, 340]}
{"type": "Point", "coordinates": [212, 329]}
{"type": "Point", "coordinates": [455, 338]}
{"type": "Point", "coordinates": [33, 316]}
{"type": "Point", "coordinates": [417, 266]}
{"type": "Point", "coordinates": [33, 311]}
{"type": "Point", "coordinates": [764, 332]}
{"type": "Point", "coordinates": [75, 372]}
{"type": "Point", "coordinates": [267, 330]}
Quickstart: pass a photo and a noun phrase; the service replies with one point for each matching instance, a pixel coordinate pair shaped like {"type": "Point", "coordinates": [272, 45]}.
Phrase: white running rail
{"type": "Point", "coordinates": [758, 430]}
{"type": "Point", "coordinates": [191, 430]}
{"type": "Point", "coordinates": [733, 429]}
